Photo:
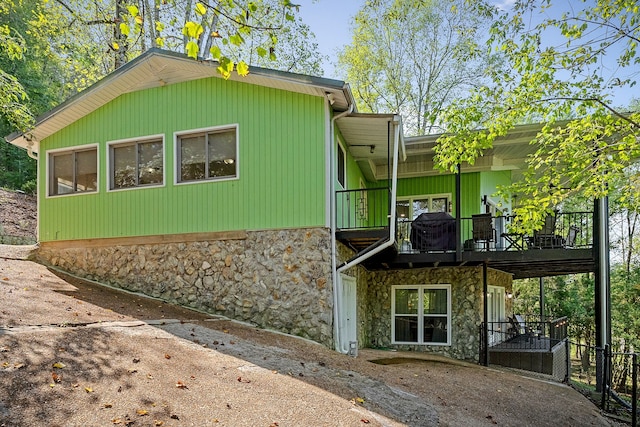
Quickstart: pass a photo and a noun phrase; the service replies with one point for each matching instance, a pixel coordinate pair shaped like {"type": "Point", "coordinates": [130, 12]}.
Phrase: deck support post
{"type": "Point", "coordinates": [542, 317]}
{"type": "Point", "coordinates": [602, 285]}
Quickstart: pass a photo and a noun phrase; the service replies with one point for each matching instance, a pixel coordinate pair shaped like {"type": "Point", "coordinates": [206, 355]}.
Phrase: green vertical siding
{"type": "Point", "coordinates": [281, 164]}
{"type": "Point", "coordinates": [442, 184]}
{"type": "Point", "coordinates": [490, 181]}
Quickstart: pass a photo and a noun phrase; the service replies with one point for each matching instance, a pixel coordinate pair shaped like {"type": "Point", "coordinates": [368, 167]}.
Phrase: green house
{"type": "Point", "coordinates": [270, 199]}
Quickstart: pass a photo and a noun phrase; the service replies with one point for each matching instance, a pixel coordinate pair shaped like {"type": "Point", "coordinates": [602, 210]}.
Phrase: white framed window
{"type": "Point", "coordinates": [72, 170]}
{"type": "Point", "coordinates": [207, 154]}
{"type": "Point", "coordinates": [409, 208]}
{"type": "Point", "coordinates": [137, 162]}
{"type": "Point", "coordinates": [341, 166]}
{"type": "Point", "coordinates": [421, 314]}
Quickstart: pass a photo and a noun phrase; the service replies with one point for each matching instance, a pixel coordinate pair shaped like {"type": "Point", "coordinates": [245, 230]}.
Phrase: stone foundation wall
{"type": "Point", "coordinates": [277, 279]}
{"type": "Point", "coordinates": [466, 306]}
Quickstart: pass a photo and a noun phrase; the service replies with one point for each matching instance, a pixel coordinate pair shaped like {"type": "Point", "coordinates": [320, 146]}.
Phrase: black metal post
{"type": "Point", "coordinates": [567, 344]}
{"type": "Point", "coordinates": [458, 215]}
{"type": "Point", "coordinates": [485, 314]}
{"type": "Point", "coordinates": [634, 390]}
{"type": "Point", "coordinates": [542, 316]}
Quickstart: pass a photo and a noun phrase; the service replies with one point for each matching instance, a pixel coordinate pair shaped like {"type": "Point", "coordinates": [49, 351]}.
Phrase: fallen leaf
{"type": "Point", "coordinates": [166, 356]}
{"type": "Point", "coordinates": [365, 421]}
{"type": "Point", "coordinates": [116, 421]}
{"type": "Point", "coordinates": [108, 405]}
{"type": "Point", "coordinates": [6, 278]}
{"type": "Point", "coordinates": [226, 331]}
{"type": "Point", "coordinates": [88, 389]}
{"type": "Point", "coordinates": [18, 365]}
{"type": "Point", "coordinates": [149, 376]}
{"type": "Point", "coordinates": [142, 412]}
{"type": "Point", "coordinates": [59, 365]}
{"type": "Point", "coordinates": [132, 371]}
{"type": "Point", "coordinates": [56, 378]}
{"type": "Point", "coordinates": [274, 424]}
{"type": "Point", "coordinates": [158, 422]}
{"type": "Point", "coordinates": [5, 365]}
{"type": "Point", "coordinates": [180, 384]}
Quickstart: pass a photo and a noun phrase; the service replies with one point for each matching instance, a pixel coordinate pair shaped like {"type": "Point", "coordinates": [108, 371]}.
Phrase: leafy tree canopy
{"type": "Point", "coordinates": [414, 57]}
{"type": "Point", "coordinates": [555, 74]}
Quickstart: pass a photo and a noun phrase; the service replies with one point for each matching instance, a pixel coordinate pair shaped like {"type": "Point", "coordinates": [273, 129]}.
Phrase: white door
{"type": "Point", "coordinates": [347, 332]}
{"type": "Point", "coordinates": [496, 316]}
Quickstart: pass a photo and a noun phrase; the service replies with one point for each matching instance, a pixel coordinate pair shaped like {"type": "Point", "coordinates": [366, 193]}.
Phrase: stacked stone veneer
{"type": "Point", "coordinates": [466, 306]}
{"type": "Point", "coordinates": [278, 279]}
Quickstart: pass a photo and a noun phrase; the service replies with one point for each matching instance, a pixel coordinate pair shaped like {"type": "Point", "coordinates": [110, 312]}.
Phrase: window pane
{"type": "Point", "coordinates": [420, 207]}
{"type": "Point", "coordinates": [87, 170]}
{"type": "Point", "coordinates": [124, 166]}
{"type": "Point", "coordinates": [406, 301]}
{"type": "Point", "coordinates": [222, 154]}
{"type": "Point", "coordinates": [341, 166]}
{"type": "Point", "coordinates": [435, 329]}
{"type": "Point", "coordinates": [439, 204]}
{"type": "Point", "coordinates": [402, 209]}
{"type": "Point", "coordinates": [435, 301]}
{"type": "Point", "coordinates": [62, 179]}
{"type": "Point", "coordinates": [192, 158]}
{"type": "Point", "coordinates": [150, 170]}
{"type": "Point", "coordinates": [406, 329]}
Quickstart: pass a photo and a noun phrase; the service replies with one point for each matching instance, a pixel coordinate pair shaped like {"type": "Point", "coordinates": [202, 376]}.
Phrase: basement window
{"type": "Point", "coordinates": [421, 314]}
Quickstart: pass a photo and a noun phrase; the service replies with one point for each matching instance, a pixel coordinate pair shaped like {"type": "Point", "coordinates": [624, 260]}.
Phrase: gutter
{"type": "Point", "coordinates": [332, 221]}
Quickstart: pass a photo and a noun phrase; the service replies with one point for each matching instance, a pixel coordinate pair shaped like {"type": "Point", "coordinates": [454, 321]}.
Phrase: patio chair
{"type": "Point", "coordinates": [572, 235]}
{"type": "Point", "coordinates": [483, 230]}
{"type": "Point", "coordinates": [546, 238]}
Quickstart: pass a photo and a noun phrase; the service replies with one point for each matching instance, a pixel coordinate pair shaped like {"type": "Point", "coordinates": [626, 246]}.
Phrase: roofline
{"type": "Point", "coordinates": [321, 82]}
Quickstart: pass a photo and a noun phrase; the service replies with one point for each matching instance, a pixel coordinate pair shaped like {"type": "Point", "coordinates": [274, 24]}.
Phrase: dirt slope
{"type": "Point", "coordinates": [18, 214]}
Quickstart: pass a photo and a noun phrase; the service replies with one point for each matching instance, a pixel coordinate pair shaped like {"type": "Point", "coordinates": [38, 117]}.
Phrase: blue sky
{"type": "Point", "coordinates": [330, 22]}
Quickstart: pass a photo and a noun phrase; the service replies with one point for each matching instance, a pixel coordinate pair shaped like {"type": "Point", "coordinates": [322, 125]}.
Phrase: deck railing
{"type": "Point", "coordinates": [572, 230]}
{"type": "Point", "coordinates": [528, 335]}
{"type": "Point", "coordinates": [366, 208]}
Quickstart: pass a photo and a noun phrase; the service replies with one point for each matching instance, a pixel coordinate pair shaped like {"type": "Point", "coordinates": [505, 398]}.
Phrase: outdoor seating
{"type": "Point", "coordinates": [545, 238]}
{"type": "Point", "coordinates": [483, 230]}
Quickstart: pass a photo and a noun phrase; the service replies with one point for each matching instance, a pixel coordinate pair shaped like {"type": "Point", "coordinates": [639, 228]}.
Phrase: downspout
{"type": "Point", "coordinates": [332, 222]}
{"type": "Point", "coordinates": [382, 247]}
{"type": "Point", "coordinates": [392, 214]}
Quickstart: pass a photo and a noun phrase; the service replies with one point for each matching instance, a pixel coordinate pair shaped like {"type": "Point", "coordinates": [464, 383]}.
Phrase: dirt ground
{"type": "Point", "coordinates": [17, 214]}
{"type": "Point", "coordinates": [74, 353]}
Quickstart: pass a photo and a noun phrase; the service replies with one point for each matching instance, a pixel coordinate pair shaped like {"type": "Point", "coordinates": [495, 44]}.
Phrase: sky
{"type": "Point", "coordinates": [330, 22]}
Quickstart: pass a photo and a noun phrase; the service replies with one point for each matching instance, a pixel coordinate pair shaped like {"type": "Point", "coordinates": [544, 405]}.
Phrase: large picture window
{"type": "Point", "coordinates": [136, 163]}
{"type": "Point", "coordinates": [421, 314]}
{"type": "Point", "coordinates": [73, 171]}
{"type": "Point", "coordinates": [207, 155]}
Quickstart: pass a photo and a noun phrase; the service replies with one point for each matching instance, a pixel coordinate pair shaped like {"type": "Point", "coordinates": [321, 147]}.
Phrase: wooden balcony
{"type": "Point", "coordinates": [441, 240]}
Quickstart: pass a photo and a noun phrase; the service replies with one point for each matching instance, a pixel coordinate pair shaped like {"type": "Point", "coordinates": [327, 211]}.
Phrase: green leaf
{"type": "Point", "coordinates": [262, 52]}
{"type": "Point", "coordinates": [243, 68]}
{"type": "Point", "coordinates": [133, 10]}
{"type": "Point", "coordinates": [124, 29]}
{"type": "Point", "coordinates": [200, 9]}
{"type": "Point", "coordinates": [192, 29]}
{"type": "Point", "coordinates": [159, 41]}
{"type": "Point", "coordinates": [159, 26]}
{"type": "Point", "coordinates": [216, 53]}
{"type": "Point", "coordinates": [236, 39]}
{"type": "Point", "coordinates": [290, 17]}
{"type": "Point", "coordinates": [192, 50]}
